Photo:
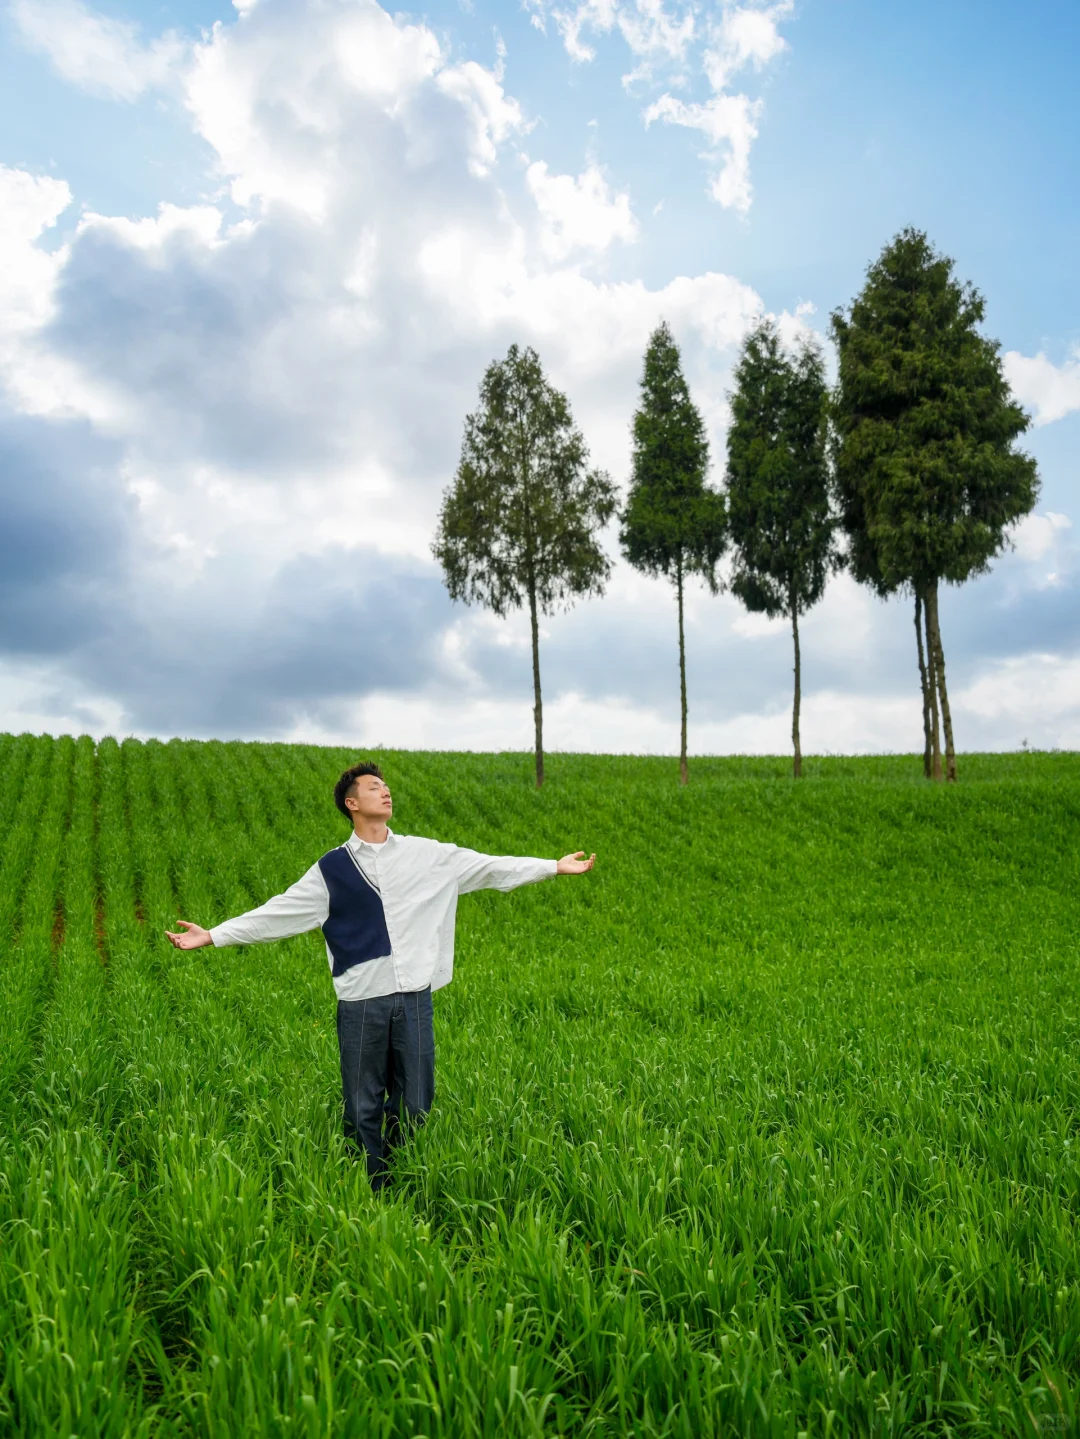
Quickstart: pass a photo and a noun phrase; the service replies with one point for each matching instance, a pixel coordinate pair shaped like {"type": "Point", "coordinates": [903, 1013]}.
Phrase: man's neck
{"type": "Point", "coordinates": [371, 831]}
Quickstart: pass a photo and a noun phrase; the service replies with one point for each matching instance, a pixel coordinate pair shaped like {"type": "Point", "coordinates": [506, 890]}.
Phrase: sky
{"type": "Point", "coordinates": [254, 260]}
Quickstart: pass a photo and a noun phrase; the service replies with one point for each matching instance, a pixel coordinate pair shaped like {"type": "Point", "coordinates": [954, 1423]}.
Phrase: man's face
{"type": "Point", "coordinates": [370, 798]}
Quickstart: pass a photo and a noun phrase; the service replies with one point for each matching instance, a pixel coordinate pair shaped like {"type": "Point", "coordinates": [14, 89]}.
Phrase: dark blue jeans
{"type": "Point", "coordinates": [387, 1072]}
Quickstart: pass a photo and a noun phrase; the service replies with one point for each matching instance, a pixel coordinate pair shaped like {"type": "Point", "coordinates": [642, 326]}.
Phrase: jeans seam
{"type": "Point", "coordinates": [356, 1082]}
{"type": "Point", "coordinates": [416, 1007]}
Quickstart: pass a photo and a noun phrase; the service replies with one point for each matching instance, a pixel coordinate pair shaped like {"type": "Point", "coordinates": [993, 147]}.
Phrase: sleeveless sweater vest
{"type": "Point", "coordinates": [355, 929]}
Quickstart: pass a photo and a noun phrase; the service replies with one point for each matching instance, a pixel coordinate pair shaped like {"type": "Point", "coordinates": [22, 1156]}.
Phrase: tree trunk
{"type": "Point", "coordinates": [684, 773]}
{"type": "Point", "coordinates": [798, 686]}
{"type": "Point", "coordinates": [928, 743]}
{"type": "Point", "coordinates": [538, 706]}
{"type": "Point", "coordinates": [939, 673]}
{"type": "Point", "coordinates": [936, 772]}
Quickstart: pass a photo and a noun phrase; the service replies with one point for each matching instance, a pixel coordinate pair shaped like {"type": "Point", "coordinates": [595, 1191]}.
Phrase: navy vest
{"type": "Point", "coordinates": [355, 929]}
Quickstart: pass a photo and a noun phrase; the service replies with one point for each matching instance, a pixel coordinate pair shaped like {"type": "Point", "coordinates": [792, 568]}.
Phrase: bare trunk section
{"type": "Point", "coordinates": [530, 581]}
{"type": "Point", "coordinates": [934, 628]}
{"type": "Point", "coordinates": [798, 685]}
{"type": "Point", "coordinates": [538, 705]}
{"type": "Point", "coordinates": [936, 772]}
{"type": "Point", "coordinates": [928, 742]}
{"type": "Point", "coordinates": [684, 773]}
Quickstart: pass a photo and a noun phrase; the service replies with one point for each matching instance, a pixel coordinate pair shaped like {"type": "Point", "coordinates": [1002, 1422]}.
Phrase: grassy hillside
{"type": "Point", "coordinates": [768, 1126]}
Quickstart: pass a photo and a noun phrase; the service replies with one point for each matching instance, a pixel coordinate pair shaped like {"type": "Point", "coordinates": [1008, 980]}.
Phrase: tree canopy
{"type": "Point", "coordinates": [779, 517]}
{"type": "Point", "coordinates": [672, 519]}
{"type": "Point", "coordinates": [925, 422]}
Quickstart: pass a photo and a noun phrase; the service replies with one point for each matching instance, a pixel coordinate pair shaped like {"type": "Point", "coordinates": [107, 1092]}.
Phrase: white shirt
{"type": "Point", "coordinates": [419, 881]}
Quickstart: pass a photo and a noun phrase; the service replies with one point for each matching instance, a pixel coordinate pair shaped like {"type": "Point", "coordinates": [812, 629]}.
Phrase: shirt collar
{"type": "Point", "coordinates": [355, 840]}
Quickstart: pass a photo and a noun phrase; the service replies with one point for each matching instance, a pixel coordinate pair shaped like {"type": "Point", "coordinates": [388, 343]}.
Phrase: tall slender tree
{"type": "Point", "coordinates": [926, 427]}
{"type": "Point", "coordinates": [779, 517]}
{"type": "Point", "coordinates": [519, 523]}
{"type": "Point", "coordinates": [673, 523]}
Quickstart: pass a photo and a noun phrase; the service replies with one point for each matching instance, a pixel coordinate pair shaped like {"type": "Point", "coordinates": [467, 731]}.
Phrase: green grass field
{"type": "Point", "coordinates": [767, 1127]}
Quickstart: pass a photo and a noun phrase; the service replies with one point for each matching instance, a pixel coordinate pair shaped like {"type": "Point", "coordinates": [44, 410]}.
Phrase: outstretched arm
{"type": "Point", "coordinates": [490, 871]}
{"type": "Point", "coordinates": [303, 906]}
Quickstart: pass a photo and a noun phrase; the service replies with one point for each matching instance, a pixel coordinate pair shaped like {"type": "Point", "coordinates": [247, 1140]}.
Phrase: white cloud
{"type": "Point", "coordinates": [197, 225]}
{"type": "Point", "coordinates": [752, 625]}
{"type": "Point", "coordinates": [575, 722]}
{"type": "Point", "coordinates": [599, 16]}
{"type": "Point", "coordinates": [579, 212]}
{"type": "Point", "coordinates": [1034, 697]}
{"type": "Point", "coordinates": [655, 35]}
{"type": "Point", "coordinates": [1037, 536]}
{"type": "Point", "coordinates": [95, 52]}
{"type": "Point", "coordinates": [726, 121]}
{"type": "Point", "coordinates": [1050, 391]}
{"type": "Point", "coordinates": [494, 114]}
{"type": "Point", "coordinates": [662, 38]}
{"type": "Point", "coordinates": [29, 205]}
{"type": "Point", "coordinates": [745, 35]}
{"type": "Point", "coordinates": [832, 722]}
{"type": "Point", "coordinates": [1046, 556]}
{"type": "Point", "coordinates": [279, 96]}
{"type": "Point", "coordinates": [326, 73]}
{"type": "Point", "coordinates": [653, 31]}
{"type": "Point", "coordinates": [39, 698]}
{"type": "Point", "coordinates": [37, 381]}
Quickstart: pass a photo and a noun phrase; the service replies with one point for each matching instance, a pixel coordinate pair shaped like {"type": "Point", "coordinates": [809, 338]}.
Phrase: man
{"type": "Point", "coordinates": [386, 905]}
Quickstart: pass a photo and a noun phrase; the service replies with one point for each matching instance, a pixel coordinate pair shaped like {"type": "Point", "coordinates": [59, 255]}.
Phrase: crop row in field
{"type": "Point", "coordinates": [770, 1126]}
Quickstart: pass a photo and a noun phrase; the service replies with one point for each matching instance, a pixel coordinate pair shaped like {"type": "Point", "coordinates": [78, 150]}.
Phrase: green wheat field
{"type": "Point", "coordinates": [767, 1127]}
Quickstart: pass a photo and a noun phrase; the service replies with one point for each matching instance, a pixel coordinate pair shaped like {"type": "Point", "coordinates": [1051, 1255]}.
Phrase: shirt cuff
{"type": "Point", "coordinates": [220, 936]}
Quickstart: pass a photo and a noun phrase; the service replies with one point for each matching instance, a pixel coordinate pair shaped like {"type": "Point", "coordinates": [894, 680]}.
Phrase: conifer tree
{"type": "Point", "coordinates": [926, 428]}
{"type": "Point", "coordinates": [673, 524]}
{"type": "Point", "coordinates": [779, 520]}
{"type": "Point", "coordinates": [518, 525]}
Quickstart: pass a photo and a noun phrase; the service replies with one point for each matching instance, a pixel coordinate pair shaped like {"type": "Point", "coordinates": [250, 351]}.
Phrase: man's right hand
{"type": "Point", "coordinates": [193, 938]}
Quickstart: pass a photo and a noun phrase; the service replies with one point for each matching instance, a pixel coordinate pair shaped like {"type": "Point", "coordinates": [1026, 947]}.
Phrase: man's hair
{"type": "Point", "coordinates": [348, 779]}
